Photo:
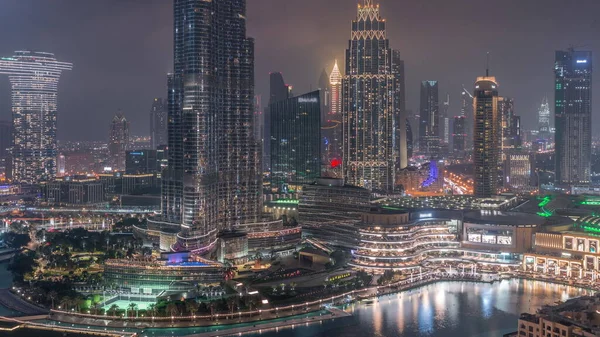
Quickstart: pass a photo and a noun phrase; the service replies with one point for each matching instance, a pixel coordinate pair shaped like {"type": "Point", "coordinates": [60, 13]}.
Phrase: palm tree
{"type": "Point", "coordinates": [95, 308]}
{"type": "Point", "coordinates": [191, 307]}
{"type": "Point", "coordinates": [152, 309]}
{"type": "Point", "coordinates": [172, 309]}
{"type": "Point", "coordinates": [293, 286]}
{"type": "Point", "coordinates": [132, 307]}
{"type": "Point", "coordinates": [52, 295]}
{"type": "Point", "coordinates": [65, 302]}
{"type": "Point", "coordinates": [113, 309]}
{"type": "Point", "coordinates": [282, 285]}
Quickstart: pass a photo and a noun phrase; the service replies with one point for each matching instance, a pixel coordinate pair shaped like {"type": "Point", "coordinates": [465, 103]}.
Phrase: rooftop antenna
{"type": "Point", "coordinates": [487, 65]}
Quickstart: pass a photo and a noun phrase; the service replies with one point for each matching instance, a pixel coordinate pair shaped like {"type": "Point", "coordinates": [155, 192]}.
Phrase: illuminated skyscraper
{"type": "Point", "coordinates": [213, 179]}
{"type": "Point", "coordinates": [487, 135]}
{"type": "Point", "coordinates": [279, 91]}
{"type": "Point", "coordinates": [371, 91]}
{"type": "Point", "coordinates": [34, 79]}
{"type": "Point", "coordinates": [158, 123]}
{"type": "Point", "coordinates": [573, 116]}
{"type": "Point", "coordinates": [459, 134]}
{"type": "Point", "coordinates": [332, 124]}
{"type": "Point", "coordinates": [295, 142]}
{"type": "Point", "coordinates": [118, 141]}
{"type": "Point", "coordinates": [445, 121]}
{"type": "Point", "coordinates": [429, 127]}
{"type": "Point", "coordinates": [544, 119]}
{"type": "Point", "coordinates": [467, 111]}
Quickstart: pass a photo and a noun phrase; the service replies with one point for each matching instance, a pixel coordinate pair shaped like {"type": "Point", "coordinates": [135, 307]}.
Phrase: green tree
{"type": "Point", "coordinates": [132, 307]}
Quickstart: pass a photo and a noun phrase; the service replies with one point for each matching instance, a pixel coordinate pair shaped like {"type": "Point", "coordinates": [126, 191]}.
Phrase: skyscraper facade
{"type": "Point", "coordinates": [118, 141]}
{"type": "Point", "coordinates": [467, 111]}
{"type": "Point", "coordinates": [544, 119]}
{"type": "Point", "coordinates": [158, 123]}
{"type": "Point", "coordinates": [370, 90]}
{"type": "Point", "coordinates": [332, 124]}
{"type": "Point", "coordinates": [34, 79]}
{"type": "Point", "coordinates": [459, 134]}
{"type": "Point", "coordinates": [573, 116]}
{"type": "Point", "coordinates": [278, 91]}
{"type": "Point", "coordinates": [486, 136]}
{"type": "Point", "coordinates": [5, 144]}
{"type": "Point", "coordinates": [295, 142]}
{"type": "Point", "coordinates": [445, 122]}
{"type": "Point", "coordinates": [213, 179]}
{"type": "Point", "coordinates": [429, 126]}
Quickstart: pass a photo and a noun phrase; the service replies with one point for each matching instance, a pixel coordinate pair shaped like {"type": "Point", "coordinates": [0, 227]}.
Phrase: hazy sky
{"type": "Point", "coordinates": [122, 49]}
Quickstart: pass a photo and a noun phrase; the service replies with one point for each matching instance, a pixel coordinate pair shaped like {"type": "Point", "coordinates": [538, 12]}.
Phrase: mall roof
{"type": "Point", "coordinates": [504, 218]}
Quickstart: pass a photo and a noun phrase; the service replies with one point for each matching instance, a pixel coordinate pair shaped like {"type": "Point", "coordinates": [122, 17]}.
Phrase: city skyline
{"type": "Point", "coordinates": [527, 76]}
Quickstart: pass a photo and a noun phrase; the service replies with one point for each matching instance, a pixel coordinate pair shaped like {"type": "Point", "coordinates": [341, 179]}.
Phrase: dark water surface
{"type": "Point", "coordinates": [447, 309]}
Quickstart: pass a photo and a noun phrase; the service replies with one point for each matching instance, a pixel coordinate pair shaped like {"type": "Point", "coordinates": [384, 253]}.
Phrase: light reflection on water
{"type": "Point", "coordinates": [448, 309]}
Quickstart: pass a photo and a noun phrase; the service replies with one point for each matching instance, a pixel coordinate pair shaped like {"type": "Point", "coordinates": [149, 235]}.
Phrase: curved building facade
{"type": "Point", "coordinates": [34, 79]}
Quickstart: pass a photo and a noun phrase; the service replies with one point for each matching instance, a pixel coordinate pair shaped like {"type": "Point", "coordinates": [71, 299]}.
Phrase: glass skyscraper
{"type": "Point", "coordinates": [34, 79]}
{"type": "Point", "coordinates": [429, 126]}
{"type": "Point", "coordinates": [295, 141]}
{"type": "Point", "coordinates": [213, 181]}
{"type": "Point", "coordinates": [158, 123]}
{"type": "Point", "coordinates": [371, 91]}
{"type": "Point", "coordinates": [118, 141]}
{"type": "Point", "coordinates": [573, 116]}
{"type": "Point", "coordinates": [486, 137]}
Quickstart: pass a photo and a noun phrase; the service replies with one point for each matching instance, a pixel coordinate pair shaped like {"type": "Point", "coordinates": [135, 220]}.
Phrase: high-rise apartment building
{"type": "Point", "coordinates": [544, 119]}
{"type": "Point", "coordinates": [118, 141]}
{"type": "Point", "coordinates": [295, 142]}
{"type": "Point", "coordinates": [34, 79]}
{"type": "Point", "coordinates": [459, 134]}
{"type": "Point", "coordinates": [486, 136]}
{"type": "Point", "coordinates": [371, 91]}
{"type": "Point", "coordinates": [517, 171]}
{"type": "Point", "coordinates": [429, 125]}
{"type": "Point", "coordinates": [573, 116]}
{"type": "Point", "coordinates": [5, 138]}
{"type": "Point", "coordinates": [213, 180]}
{"type": "Point", "coordinates": [510, 135]}
{"type": "Point", "coordinates": [158, 123]}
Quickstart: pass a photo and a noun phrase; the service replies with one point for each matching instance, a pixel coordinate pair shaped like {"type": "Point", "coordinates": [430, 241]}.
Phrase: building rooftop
{"type": "Point", "coordinates": [504, 218]}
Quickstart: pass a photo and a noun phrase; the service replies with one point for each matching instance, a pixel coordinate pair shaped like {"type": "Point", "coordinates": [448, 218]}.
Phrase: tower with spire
{"type": "Point", "coordinates": [372, 111]}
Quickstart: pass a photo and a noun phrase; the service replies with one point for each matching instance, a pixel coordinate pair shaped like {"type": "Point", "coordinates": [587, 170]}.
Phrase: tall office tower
{"type": "Point", "coordinates": [5, 144]}
{"type": "Point", "coordinates": [332, 125]}
{"type": "Point", "coordinates": [409, 140]}
{"type": "Point", "coordinates": [295, 142]}
{"type": "Point", "coordinates": [400, 116]}
{"type": "Point", "coordinates": [34, 79]}
{"type": "Point", "coordinates": [517, 171]}
{"type": "Point", "coordinates": [506, 111]}
{"type": "Point", "coordinates": [544, 119]}
{"type": "Point", "coordinates": [118, 141]}
{"type": "Point", "coordinates": [279, 91]}
{"type": "Point", "coordinates": [158, 123]}
{"type": "Point", "coordinates": [325, 90]}
{"type": "Point", "coordinates": [486, 136]}
{"type": "Point", "coordinates": [459, 135]}
{"type": "Point", "coordinates": [573, 116]}
{"type": "Point", "coordinates": [213, 179]}
{"type": "Point", "coordinates": [370, 91]}
{"type": "Point", "coordinates": [259, 123]}
{"type": "Point", "coordinates": [445, 121]}
{"type": "Point", "coordinates": [429, 128]}
{"type": "Point", "coordinates": [5, 138]}
{"type": "Point", "coordinates": [467, 111]}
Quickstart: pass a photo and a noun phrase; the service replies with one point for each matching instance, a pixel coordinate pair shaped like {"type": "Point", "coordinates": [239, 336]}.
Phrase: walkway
{"type": "Point", "coordinates": [13, 302]}
{"type": "Point", "coordinates": [334, 313]}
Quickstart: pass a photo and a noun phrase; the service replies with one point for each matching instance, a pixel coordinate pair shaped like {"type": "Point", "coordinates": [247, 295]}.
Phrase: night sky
{"type": "Point", "coordinates": [122, 49]}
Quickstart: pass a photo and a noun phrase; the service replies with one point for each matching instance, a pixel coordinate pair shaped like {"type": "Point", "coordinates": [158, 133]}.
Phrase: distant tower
{"type": "Point", "coordinates": [118, 141]}
{"type": "Point", "coordinates": [158, 123]}
{"type": "Point", "coordinates": [486, 136]}
{"type": "Point", "coordinates": [466, 110]}
{"type": "Point", "coordinates": [34, 79]}
{"type": "Point", "coordinates": [332, 125]}
{"type": "Point", "coordinates": [371, 91]}
{"type": "Point", "coordinates": [278, 91]}
{"type": "Point", "coordinates": [429, 127]}
{"type": "Point", "coordinates": [445, 121]}
{"type": "Point", "coordinates": [573, 116]}
{"type": "Point", "coordinates": [544, 119]}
